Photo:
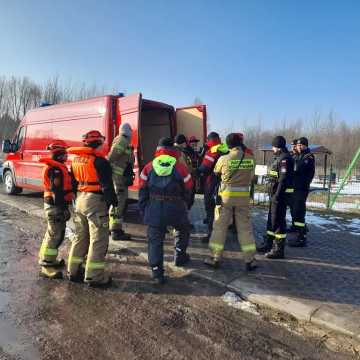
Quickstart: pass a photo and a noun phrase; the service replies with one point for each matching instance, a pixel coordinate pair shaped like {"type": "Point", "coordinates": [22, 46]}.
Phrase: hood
{"type": "Point", "coordinates": [164, 150]}
{"type": "Point", "coordinates": [163, 165]}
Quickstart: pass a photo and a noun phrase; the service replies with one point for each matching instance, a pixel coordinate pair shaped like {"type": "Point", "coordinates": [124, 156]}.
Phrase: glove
{"type": "Point", "coordinates": [67, 214]}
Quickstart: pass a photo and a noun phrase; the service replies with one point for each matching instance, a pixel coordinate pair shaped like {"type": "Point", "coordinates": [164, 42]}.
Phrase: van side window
{"type": "Point", "coordinates": [20, 138]}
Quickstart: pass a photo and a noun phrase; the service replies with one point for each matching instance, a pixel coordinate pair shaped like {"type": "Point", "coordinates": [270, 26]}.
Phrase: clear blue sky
{"type": "Point", "coordinates": [247, 60]}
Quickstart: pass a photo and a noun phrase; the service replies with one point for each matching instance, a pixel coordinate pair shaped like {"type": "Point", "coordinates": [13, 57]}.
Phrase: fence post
{"type": "Point", "coordinates": [329, 189]}
{"type": "Point", "coordinates": [345, 178]}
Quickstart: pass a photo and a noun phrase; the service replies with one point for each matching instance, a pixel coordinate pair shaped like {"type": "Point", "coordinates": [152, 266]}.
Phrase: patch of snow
{"type": "Point", "coordinates": [235, 301]}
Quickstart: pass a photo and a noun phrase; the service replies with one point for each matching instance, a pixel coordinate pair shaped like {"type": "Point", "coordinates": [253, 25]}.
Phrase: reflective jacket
{"type": "Point", "coordinates": [51, 170]}
{"type": "Point", "coordinates": [165, 188]}
{"type": "Point", "coordinates": [120, 156]}
{"type": "Point", "coordinates": [236, 170]}
{"type": "Point", "coordinates": [281, 174]}
{"type": "Point", "coordinates": [215, 150]}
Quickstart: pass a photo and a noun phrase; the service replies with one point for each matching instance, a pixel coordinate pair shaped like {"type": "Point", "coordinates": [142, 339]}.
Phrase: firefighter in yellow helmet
{"type": "Point", "coordinates": [96, 194]}
{"type": "Point", "coordinates": [121, 157]}
{"type": "Point", "coordinates": [236, 170]}
{"type": "Point", "coordinates": [58, 194]}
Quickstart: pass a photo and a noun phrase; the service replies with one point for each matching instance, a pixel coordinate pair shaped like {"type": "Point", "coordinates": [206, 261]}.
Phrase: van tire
{"type": "Point", "coordinates": [9, 184]}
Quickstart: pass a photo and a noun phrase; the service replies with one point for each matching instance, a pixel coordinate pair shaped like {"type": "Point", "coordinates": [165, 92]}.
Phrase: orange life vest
{"type": "Point", "coordinates": [67, 184]}
{"type": "Point", "coordinates": [83, 168]}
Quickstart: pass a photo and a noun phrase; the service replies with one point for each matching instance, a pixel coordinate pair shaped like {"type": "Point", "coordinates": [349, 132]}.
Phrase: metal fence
{"type": "Point", "coordinates": [324, 192]}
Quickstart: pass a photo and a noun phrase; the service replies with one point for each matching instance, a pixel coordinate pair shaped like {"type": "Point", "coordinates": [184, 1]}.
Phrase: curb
{"type": "Point", "coordinates": [318, 314]}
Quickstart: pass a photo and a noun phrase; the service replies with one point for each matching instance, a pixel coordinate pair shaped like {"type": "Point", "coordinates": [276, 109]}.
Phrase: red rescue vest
{"type": "Point", "coordinates": [67, 184]}
{"type": "Point", "coordinates": [83, 168]}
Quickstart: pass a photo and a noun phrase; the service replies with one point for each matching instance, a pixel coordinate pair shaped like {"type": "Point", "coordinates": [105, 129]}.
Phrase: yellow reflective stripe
{"type": "Point", "coordinates": [45, 251]}
{"type": "Point", "coordinates": [300, 224]}
{"type": "Point", "coordinates": [114, 221]}
{"type": "Point", "coordinates": [273, 173]}
{"type": "Point", "coordinates": [75, 260]}
{"type": "Point", "coordinates": [248, 248]}
{"type": "Point", "coordinates": [216, 247]}
{"type": "Point", "coordinates": [235, 193]}
{"type": "Point", "coordinates": [289, 190]}
{"type": "Point", "coordinates": [271, 233]}
{"type": "Point", "coordinates": [94, 265]}
{"type": "Point", "coordinates": [119, 148]}
{"type": "Point", "coordinates": [280, 236]}
{"type": "Point", "coordinates": [117, 170]}
{"type": "Point", "coordinates": [237, 164]}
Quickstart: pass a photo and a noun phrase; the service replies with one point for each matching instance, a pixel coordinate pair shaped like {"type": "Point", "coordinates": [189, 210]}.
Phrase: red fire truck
{"type": "Point", "coordinates": [150, 120]}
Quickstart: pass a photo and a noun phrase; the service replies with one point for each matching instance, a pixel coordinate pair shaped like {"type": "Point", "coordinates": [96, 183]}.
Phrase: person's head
{"type": "Point", "coordinates": [234, 140]}
{"type": "Point", "coordinates": [294, 145]}
{"type": "Point", "coordinates": [213, 139]}
{"type": "Point", "coordinates": [125, 130]}
{"type": "Point", "coordinates": [58, 150]}
{"type": "Point", "coordinates": [93, 139]}
{"type": "Point", "coordinates": [166, 142]}
{"type": "Point", "coordinates": [278, 143]}
{"type": "Point", "coordinates": [193, 142]}
{"type": "Point", "coordinates": [180, 140]}
{"type": "Point", "coordinates": [302, 144]}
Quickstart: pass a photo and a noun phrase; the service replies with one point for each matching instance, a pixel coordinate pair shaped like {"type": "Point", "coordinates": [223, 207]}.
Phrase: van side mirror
{"type": "Point", "coordinates": [6, 146]}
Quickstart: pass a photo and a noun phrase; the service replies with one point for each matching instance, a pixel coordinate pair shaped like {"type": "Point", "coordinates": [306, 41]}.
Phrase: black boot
{"type": "Point", "coordinates": [266, 245]}
{"type": "Point", "coordinates": [158, 275]}
{"type": "Point", "coordinates": [300, 241]}
{"type": "Point", "coordinates": [251, 265]}
{"type": "Point", "coordinates": [277, 251]}
{"type": "Point", "coordinates": [118, 235]}
{"type": "Point", "coordinates": [181, 258]}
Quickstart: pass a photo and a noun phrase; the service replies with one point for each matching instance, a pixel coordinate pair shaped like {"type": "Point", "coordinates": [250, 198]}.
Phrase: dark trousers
{"type": "Point", "coordinates": [276, 224]}
{"type": "Point", "coordinates": [299, 209]}
{"type": "Point", "coordinates": [209, 203]}
{"type": "Point", "coordinates": [156, 236]}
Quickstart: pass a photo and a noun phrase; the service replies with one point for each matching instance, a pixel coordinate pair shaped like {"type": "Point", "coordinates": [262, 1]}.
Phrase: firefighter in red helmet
{"type": "Point", "coordinates": [96, 194]}
{"type": "Point", "coordinates": [58, 194]}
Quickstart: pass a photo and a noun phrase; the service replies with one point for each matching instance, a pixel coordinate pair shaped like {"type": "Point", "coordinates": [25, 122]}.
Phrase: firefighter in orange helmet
{"type": "Point", "coordinates": [96, 194]}
{"type": "Point", "coordinates": [58, 194]}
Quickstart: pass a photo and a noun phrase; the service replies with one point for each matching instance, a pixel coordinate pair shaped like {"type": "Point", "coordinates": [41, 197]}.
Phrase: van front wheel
{"type": "Point", "coordinates": [9, 184]}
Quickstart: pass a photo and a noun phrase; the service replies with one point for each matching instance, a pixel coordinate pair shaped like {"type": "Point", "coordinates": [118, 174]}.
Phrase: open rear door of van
{"type": "Point", "coordinates": [129, 111]}
{"type": "Point", "coordinates": [191, 121]}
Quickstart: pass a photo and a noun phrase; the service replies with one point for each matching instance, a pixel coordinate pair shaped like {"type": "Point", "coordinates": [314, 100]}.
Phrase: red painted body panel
{"type": "Point", "coordinates": [69, 122]}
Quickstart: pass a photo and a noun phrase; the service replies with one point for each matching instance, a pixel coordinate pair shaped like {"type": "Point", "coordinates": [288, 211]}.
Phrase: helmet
{"type": "Point", "coordinates": [58, 150]}
{"type": "Point", "coordinates": [92, 137]}
{"type": "Point", "coordinates": [193, 139]}
{"type": "Point", "coordinates": [57, 146]}
{"type": "Point", "coordinates": [125, 129]}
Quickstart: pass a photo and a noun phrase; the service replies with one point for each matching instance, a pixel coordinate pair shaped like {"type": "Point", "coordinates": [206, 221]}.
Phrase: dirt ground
{"type": "Point", "coordinates": [185, 319]}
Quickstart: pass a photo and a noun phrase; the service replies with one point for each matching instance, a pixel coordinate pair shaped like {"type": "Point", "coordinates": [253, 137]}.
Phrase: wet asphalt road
{"type": "Point", "coordinates": [185, 319]}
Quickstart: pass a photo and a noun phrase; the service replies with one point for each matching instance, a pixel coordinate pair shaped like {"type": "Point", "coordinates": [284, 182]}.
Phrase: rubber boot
{"type": "Point", "coordinates": [277, 251]}
{"type": "Point", "coordinates": [79, 277]}
{"type": "Point", "coordinates": [54, 264]}
{"type": "Point", "coordinates": [181, 258]}
{"type": "Point", "coordinates": [251, 265]}
{"type": "Point", "coordinates": [266, 245]}
{"type": "Point", "coordinates": [104, 283]}
{"type": "Point", "coordinates": [120, 235]}
{"type": "Point", "coordinates": [158, 275]}
{"type": "Point", "coordinates": [51, 272]}
{"type": "Point", "coordinates": [300, 241]}
{"type": "Point", "coordinates": [212, 262]}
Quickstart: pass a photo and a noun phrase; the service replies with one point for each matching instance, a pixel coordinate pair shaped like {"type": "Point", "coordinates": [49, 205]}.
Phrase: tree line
{"type": "Point", "coordinates": [20, 94]}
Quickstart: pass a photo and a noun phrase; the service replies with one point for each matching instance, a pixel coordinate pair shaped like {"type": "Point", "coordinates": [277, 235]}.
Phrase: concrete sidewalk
{"type": "Point", "coordinates": [319, 283]}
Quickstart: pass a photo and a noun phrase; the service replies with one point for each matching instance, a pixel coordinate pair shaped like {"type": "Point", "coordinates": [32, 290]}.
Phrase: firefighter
{"type": "Point", "coordinates": [96, 194]}
{"type": "Point", "coordinates": [214, 150]}
{"type": "Point", "coordinates": [165, 189]}
{"type": "Point", "coordinates": [281, 184]}
{"type": "Point", "coordinates": [58, 194]}
{"type": "Point", "coordinates": [121, 157]}
{"type": "Point", "coordinates": [236, 170]}
{"type": "Point", "coordinates": [290, 196]}
{"type": "Point", "coordinates": [304, 171]}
